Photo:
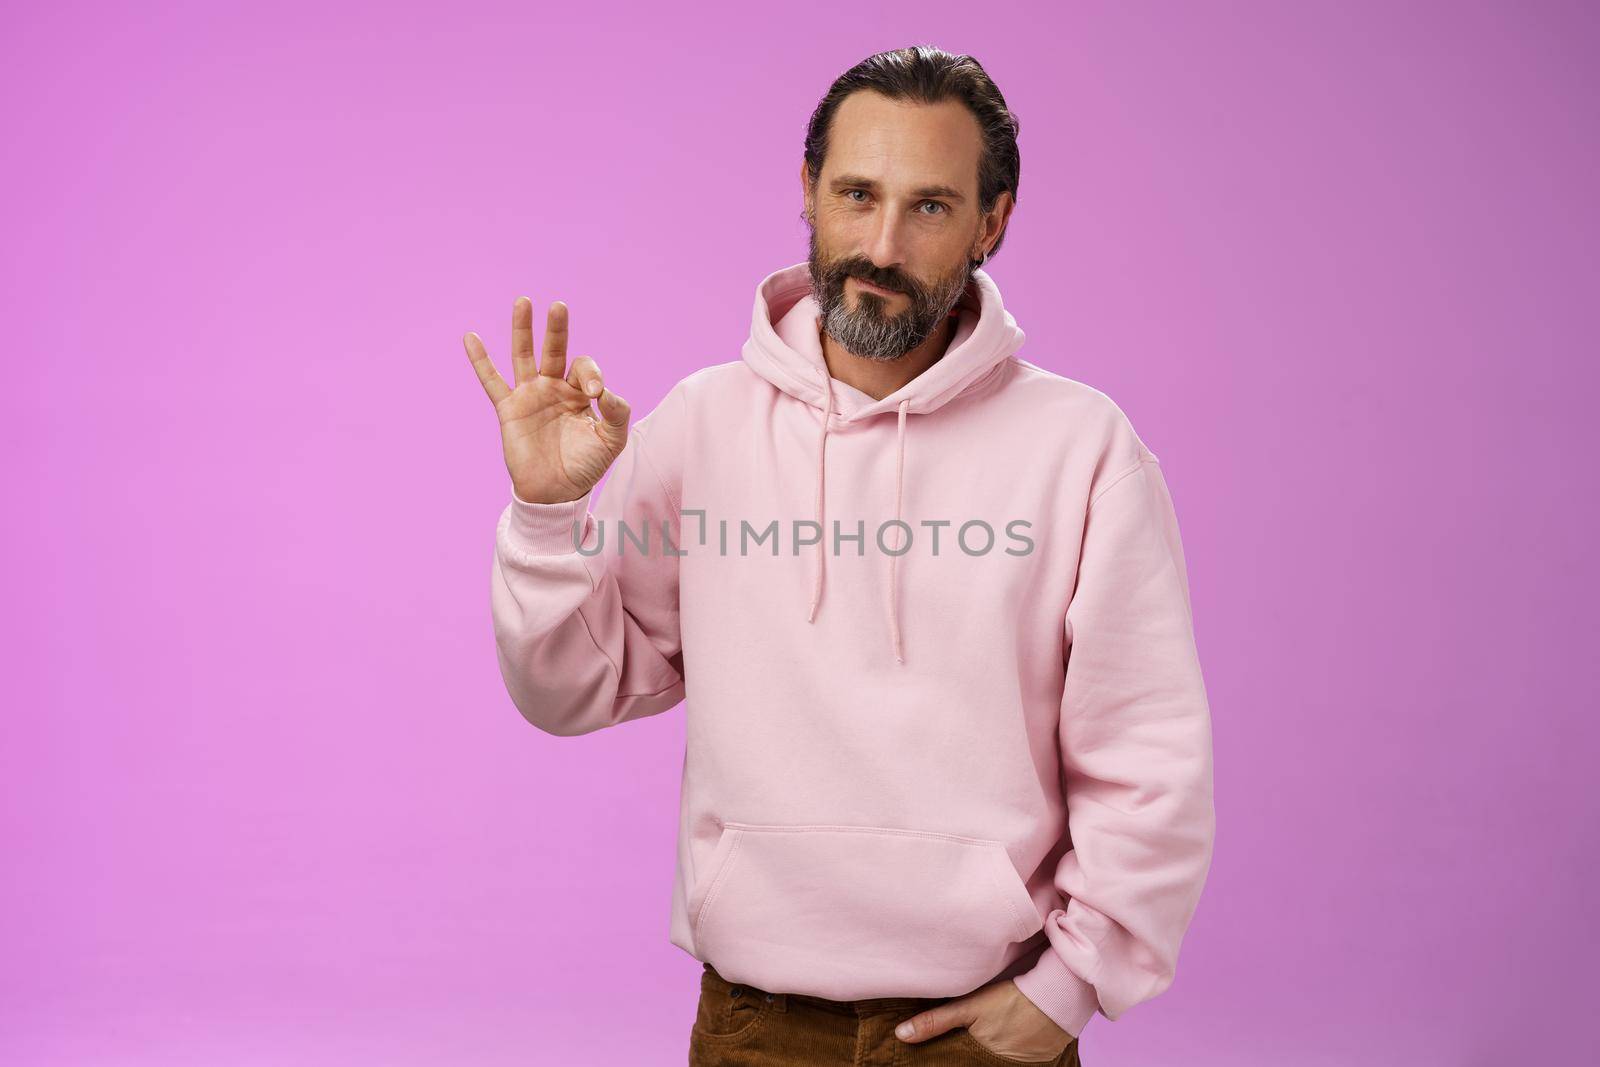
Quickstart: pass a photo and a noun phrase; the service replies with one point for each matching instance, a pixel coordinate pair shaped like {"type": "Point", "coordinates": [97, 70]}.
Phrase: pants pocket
{"type": "Point", "coordinates": [852, 912]}
{"type": "Point", "coordinates": [989, 1055]}
{"type": "Point", "coordinates": [727, 1012]}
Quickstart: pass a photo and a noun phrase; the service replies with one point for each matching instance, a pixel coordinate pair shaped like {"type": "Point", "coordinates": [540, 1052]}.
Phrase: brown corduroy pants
{"type": "Point", "coordinates": [738, 1025]}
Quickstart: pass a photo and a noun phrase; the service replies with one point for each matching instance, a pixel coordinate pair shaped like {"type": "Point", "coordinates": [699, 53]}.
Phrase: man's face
{"type": "Point", "coordinates": [895, 222]}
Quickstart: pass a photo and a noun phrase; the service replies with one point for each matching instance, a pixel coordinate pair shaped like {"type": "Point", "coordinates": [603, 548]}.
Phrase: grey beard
{"type": "Point", "coordinates": [873, 336]}
{"type": "Point", "coordinates": [871, 333]}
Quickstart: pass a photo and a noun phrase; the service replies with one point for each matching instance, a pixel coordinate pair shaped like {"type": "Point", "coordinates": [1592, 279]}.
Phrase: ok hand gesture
{"type": "Point", "coordinates": [556, 448]}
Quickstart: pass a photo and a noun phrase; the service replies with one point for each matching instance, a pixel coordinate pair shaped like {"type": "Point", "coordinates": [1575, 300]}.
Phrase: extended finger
{"type": "Point", "coordinates": [553, 356]}
{"type": "Point", "coordinates": [490, 378]}
{"type": "Point", "coordinates": [522, 364]}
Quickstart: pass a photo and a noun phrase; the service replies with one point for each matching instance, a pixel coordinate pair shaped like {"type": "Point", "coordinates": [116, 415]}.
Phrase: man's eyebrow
{"type": "Point", "coordinates": [853, 181]}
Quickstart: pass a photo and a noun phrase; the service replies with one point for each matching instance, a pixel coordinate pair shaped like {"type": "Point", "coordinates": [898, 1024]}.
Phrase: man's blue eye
{"type": "Point", "coordinates": [939, 206]}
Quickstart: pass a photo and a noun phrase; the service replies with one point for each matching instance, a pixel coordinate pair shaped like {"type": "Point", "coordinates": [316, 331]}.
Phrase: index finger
{"type": "Point", "coordinates": [493, 384]}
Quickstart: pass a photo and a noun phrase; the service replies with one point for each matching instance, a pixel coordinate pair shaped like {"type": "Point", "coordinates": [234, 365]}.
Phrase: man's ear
{"type": "Point", "coordinates": [805, 189]}
{"type": "Point", "coordinates": [994, 222]}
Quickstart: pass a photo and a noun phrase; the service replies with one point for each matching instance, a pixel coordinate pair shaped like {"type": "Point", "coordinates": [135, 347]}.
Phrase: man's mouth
{"type": "Point", "coordinates": [869, 287]}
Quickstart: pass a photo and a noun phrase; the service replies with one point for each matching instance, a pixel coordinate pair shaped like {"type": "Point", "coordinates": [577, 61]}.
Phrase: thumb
{"type": "Point", "coordinates": [932, 1023]}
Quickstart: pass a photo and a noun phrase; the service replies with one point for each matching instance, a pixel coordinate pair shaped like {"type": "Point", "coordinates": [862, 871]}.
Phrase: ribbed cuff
{"type": "Point", "coordinates": [1058, 992]}
{"type": "Point", "coordinates": [547, 529]}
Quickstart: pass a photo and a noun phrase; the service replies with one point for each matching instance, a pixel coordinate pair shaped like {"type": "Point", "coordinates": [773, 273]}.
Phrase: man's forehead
{"type": "Point", "coordinates": [898, 142]}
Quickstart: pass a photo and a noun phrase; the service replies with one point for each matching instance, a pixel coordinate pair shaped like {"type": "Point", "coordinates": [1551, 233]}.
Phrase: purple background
{"type": "Point", "coordinates": [265, 799]}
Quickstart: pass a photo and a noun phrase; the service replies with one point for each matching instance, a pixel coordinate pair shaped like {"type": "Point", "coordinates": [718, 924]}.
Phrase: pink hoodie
{"type": "Point", "coordinates": [908, 770]}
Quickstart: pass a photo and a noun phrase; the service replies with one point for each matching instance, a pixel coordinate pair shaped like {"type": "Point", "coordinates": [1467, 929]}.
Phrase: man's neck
{"type": "Point", "coordinates": [880, 377]}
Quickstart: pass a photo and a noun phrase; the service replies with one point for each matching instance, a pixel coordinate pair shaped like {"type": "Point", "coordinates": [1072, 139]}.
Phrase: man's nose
{"type": "Point", "coordinates": [885, 248]}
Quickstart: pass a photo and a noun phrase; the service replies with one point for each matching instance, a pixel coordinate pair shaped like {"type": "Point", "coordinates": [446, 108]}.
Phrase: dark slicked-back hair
{"type": "Point", "coordinates": [928, 75]}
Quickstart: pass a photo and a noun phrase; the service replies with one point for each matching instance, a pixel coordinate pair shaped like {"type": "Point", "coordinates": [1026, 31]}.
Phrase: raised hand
{"type": "Point", "coordinates": [556, 448]}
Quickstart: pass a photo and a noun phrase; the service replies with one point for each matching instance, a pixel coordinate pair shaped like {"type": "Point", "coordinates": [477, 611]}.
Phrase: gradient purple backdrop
{"type": "Point", "coordinates": [265, 800]}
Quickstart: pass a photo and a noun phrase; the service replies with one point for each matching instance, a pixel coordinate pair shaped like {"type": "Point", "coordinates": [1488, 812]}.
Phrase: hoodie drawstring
{"type": "Point", "coordinates": [899, 468]}
{"type": "Point", "coordinates": [891, 606]}
{"type": "Point", "coordinates": [822, 536]}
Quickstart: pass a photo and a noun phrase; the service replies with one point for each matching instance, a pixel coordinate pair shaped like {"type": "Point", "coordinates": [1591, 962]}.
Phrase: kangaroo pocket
{"type": "Point", "coordinates": [849, 912]}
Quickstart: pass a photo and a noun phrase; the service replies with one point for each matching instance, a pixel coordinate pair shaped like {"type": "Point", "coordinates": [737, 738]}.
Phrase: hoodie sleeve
{"type": "Point", "coordinates": [1135, 737]}
{"type": "Point", "coordinates": [588, 639]}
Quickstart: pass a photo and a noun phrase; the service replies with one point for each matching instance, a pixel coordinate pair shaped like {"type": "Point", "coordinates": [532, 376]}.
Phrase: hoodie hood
{"type": "Point", "coordinates": [785, 348]}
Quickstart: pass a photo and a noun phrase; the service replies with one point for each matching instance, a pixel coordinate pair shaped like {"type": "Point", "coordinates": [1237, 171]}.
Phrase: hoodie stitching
{"type": "Point", "coordinates": [658, 692]}
{"type": "Point", "coordinates": [1001, 893]}
{"type": "Point", "coordinates": [1140, 462]}
{"type": "Point", "coordinates": [988, 383]}
{"type": "Point", "coordinates": [716, 886]}
{"type": "Point", "coordinates": [889, 831]}
{"type": "Point", "coordinates": [524, 559]}
{"type": "Point", "coordinates": [666, 490]}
